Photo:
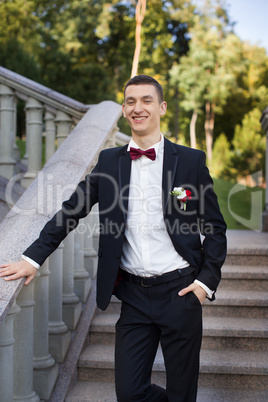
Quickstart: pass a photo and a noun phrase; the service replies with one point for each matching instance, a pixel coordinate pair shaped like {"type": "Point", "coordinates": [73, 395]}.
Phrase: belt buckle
{"type": "Point", "coordinates": [144, 284]}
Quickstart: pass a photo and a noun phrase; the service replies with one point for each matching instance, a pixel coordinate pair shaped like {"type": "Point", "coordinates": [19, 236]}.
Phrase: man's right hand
{"type": "Point", "coordinates": [16, 270]}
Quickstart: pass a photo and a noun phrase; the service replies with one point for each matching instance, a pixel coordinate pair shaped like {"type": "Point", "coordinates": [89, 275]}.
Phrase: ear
{"type": "Point", "coordinates": [123, 110]}
{"type": "Point", "coordinates": [163, 108]}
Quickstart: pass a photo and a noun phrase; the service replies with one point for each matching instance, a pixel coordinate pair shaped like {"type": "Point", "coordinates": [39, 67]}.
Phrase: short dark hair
{"type": "Point", "coordinates": [146, 80]}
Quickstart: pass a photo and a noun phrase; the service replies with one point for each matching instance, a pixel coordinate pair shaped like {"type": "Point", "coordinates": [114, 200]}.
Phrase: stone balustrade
{"type": "Point", "coordinates": [36, 321]}
{"type": "Point", "coordinates": [49, 118]}
{"type": "Point", "coordinates": [264, 123]}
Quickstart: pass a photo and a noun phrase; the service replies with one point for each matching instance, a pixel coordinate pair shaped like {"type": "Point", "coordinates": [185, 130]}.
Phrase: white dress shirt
{"type": "Point", "coordinates": [148, 249]}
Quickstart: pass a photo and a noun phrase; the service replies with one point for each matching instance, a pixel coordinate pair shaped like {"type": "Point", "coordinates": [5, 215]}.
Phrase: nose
{"type": "Point", "coordinates": [138, 107]}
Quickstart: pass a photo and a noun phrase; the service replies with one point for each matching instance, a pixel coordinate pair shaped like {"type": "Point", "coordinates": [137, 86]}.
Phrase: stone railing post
{"type": "Point", "coordinates": [90, 254]}
{"type": "Point", "coordinates": [45, 370]}
{"type": "Point", "coordinates": [82, 281]}
{"type": "Point", "coordinates": [111, 141]}
{"type": "Point", "coordinates": [16, 151]}
{"type": "Point", "coordinates": [64, 124]}
{"type": "Point", "coordinates": [23, 347]}
{"type": "Point", "coordinates": [34, 118]}
{"type": "Point", "coordinates": [264, 123]}
{"type": "Point", "coordinates": [59, 336]}
{"type": "Point", "coordinates": [50, 134]}
{"type": "Point", "coordinates": [6, 355]}
{"type": "Point", "coordinates": [72, 307]}
{"type": "Point", "coordinates": [7, 131]}
{"type": "Point", "coordinates": [95, 237]}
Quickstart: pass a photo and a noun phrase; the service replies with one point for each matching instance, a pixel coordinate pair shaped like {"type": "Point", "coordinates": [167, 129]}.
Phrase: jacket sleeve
{"type": "Point", "coordinates": [66, 219]}
{"type": "Point", "coordinates": [213, 228]}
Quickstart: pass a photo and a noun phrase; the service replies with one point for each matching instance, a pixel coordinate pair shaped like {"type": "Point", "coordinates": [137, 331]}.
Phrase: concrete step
{"type": "Point", "coordinates": [218, 368]}
{"type": "Point", "coordinates": [229, 303]}
{"type": "Point", "coordinates": [218, 332]}
{"type": "Point", "coordinates": [241, 277]}
{"type": "Point", "coordinates": [246, 247]}
{"type": "Point", "coordinates": [239, 303]}
{"type": "Point", "coordinates": [94, 391]}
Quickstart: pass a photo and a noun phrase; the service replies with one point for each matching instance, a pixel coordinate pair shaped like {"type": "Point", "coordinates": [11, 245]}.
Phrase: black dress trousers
{"type": "Point", "coordinates": [149, 315]}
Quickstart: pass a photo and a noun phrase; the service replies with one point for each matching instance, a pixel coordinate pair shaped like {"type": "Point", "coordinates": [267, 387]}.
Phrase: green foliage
{"type": "Point", "coordinates": [15, 57]}
{"type": "Point", "coordinates": [221, 155]}
{"type": "Point", "coordinates": [248, 153]}
{"type": "Point", "coordinates": [84, 49]}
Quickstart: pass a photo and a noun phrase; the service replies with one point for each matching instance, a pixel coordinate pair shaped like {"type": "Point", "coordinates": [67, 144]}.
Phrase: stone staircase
{"type": "Point", "coordinates": [234, 354]}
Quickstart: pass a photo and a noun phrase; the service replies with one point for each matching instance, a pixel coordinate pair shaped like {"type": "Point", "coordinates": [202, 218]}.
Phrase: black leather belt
{"type": "Point", "coordinates": [157, 279]}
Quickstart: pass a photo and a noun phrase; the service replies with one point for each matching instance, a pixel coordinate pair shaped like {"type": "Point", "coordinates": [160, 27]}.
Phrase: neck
{"type": "Point", "coordinates": [145, 142]}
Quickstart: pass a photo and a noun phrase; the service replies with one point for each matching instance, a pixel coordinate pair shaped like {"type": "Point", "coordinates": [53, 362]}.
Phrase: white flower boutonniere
{"type": "Point", "coordinates": [182, 195]}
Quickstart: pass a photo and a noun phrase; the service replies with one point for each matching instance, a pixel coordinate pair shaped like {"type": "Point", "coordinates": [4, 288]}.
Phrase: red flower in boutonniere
{"type": "Point", "coordinates": [182, 195]}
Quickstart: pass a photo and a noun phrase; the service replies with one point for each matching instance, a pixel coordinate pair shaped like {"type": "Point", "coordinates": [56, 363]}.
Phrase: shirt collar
{"type": "Point", "coordinates": [158, 146]}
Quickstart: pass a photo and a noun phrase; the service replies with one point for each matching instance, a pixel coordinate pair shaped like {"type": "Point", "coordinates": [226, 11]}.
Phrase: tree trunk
{"type": "Point", "coordinates": [176, 115]}
{"type": "Point", "coordinates": [209, 128]}
{"type": "Point", "coordinates": [192, 129]}
{"type": "Point", "coordinates": [140, 12]}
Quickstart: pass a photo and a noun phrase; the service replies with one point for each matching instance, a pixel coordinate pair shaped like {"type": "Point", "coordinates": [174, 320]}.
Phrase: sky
{"type": "Point", "coordinates": [252, 20]}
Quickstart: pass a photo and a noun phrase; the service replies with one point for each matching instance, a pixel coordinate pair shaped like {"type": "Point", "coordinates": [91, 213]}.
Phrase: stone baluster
{"type": "Point", "coordinates": [95, 214]}
{"type": "Point", "coordinates": [82, 281]}
{"type": "Point", "coordinates": [23, 347]}
{"type": "Point", "coordinates": [7, 133]}
{"type": "Point", "coordinates": [16, 151]}
{"type": "Point", "coordinates": [50, 134]}
{"type": "Point", "coordinates": [72, 307]}
{"type": "Point", "coordinates": [64, 124]}
{"type": "Point", "coordinates": [90, 254]}
{"type": "Point", "coordinates": [59, 336]}
{"type": "Point", "coordinates": [264, 124]}
{"type": "Point", "coordinates": [34, 127]}
{"type": "Point", "coordinates": [6, 355]}
{"type": "Point", "coordinates": [265, 213]}
{"type": "Point", "coordinates": [111, 142]}
{"type": "Point", "coordinates": [45, 370]}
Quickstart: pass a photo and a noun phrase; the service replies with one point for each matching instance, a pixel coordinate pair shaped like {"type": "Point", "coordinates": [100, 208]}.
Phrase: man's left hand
{"type": "Point", "coordinates": [196, 289]}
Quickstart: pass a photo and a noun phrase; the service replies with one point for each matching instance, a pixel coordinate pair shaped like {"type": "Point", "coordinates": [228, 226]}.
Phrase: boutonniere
{"type": "Point", "coordinates": [182, 195]}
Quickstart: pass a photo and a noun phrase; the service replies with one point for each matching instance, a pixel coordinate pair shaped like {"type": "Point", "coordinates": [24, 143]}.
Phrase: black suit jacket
{"type": "Point", "coordinates": [108, 185]}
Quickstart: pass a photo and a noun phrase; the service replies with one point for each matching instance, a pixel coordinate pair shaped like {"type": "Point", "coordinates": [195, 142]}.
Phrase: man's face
{"type": "Point", "coordinates": [142, 109]}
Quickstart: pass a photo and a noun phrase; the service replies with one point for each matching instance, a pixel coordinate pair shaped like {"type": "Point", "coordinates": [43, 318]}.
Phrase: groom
{"type": "Point", "coordinates": [159, 197]}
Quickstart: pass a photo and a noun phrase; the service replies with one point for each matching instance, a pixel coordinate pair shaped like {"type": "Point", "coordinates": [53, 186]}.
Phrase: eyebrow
{"type": "Point", "coordinates": [144, 97]}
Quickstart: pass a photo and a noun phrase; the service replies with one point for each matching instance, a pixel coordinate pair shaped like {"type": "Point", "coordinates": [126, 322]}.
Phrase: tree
{"type": "Point", "coordinates": [140, 13]}
{"type": "Point", "coordinates": [248, 154]}
{"type": "Point", "coordinates": [207, 74]}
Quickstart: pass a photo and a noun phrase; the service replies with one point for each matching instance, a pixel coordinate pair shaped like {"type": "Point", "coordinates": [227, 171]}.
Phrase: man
{"type": "Point", "coordinates": [157, 194]}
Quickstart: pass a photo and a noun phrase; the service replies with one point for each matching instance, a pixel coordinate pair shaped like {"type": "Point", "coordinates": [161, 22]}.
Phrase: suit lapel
{"type": "Point", "coordinates": [124, 179]}
{"type": "Point", "coordinates": [169, 169]}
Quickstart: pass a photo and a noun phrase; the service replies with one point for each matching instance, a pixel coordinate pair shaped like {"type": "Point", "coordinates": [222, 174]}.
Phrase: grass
{"type": "Point", "coordinates": [241, 206]}
{"type": "Point", "coordinates": [21, 144]}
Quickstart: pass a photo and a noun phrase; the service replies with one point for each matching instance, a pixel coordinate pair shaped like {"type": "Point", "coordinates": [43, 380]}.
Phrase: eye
{"type": "Point", "coordinates": [148, 102]}
{"type": "Point", "coordinates": [130, 103]}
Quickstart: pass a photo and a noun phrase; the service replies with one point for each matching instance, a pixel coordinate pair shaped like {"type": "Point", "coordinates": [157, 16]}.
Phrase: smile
{"type": "Point", "coordinates": [139, 118]}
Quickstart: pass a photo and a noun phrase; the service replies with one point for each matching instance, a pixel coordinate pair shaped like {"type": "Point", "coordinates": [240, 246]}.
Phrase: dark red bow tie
{"type": "Point", "coordinates": [136, 153]}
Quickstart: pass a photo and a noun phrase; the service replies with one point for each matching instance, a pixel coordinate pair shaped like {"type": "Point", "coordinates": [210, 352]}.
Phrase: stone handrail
{"type": "Point", "coordinates": [25, 88]}
{"type": "Point", "coordinates": [36, 320]}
